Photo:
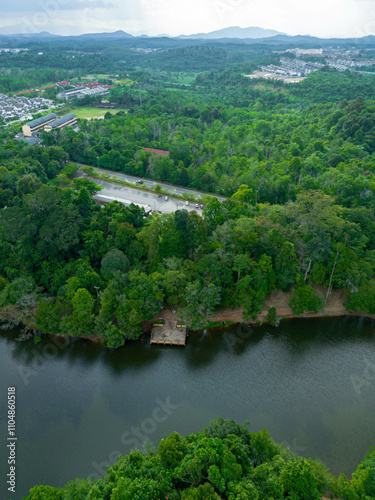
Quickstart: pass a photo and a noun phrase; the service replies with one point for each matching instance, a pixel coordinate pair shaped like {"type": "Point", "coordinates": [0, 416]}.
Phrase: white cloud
{"type": "Point", "coordinates": [323, 18]}
{"type": "Point", "coordinates": [17, 6]}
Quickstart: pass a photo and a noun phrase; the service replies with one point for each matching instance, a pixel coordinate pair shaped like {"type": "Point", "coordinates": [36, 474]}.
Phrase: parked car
{"type": "Point", "coordinates": [196, 205]}
{"type": "Point", "coordinates": [202, 206]}
{"type": "Point", "coordinates": [166, 198]}
{"type": "Point", "coordinates": [186, 203]}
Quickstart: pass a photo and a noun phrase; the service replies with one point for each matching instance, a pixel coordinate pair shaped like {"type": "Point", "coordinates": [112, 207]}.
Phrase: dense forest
{"type": "Point", "coordinates": [296, 167]}
{"type": "Point", "coordinates": [226, 461]}
{"type": "Point", "coordinates": [298, 174]}
{"type": "Point", "coordinates": [33, 68]}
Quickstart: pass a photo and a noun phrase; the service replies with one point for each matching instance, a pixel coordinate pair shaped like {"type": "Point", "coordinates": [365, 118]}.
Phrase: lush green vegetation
{"type": "Point", "coordinates": [28, 70]}
{"type": "Point", "coordinates": [47, 63]}
{"type": "Point", "coordinates": [297, 165]}
{"type": "Point", "coordinates": [226, 461]}
{"type": "Point", "coordinates": [299, 176]}
{"type": "Point", "coordinates": [266, 141]}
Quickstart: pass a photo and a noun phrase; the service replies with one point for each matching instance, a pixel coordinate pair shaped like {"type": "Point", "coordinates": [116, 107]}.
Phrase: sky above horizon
{"type": "Point", "coordinates": [323, 18]}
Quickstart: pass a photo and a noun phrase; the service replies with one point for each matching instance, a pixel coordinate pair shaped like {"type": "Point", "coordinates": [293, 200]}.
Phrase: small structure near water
{"type": "Point", "coordinates": [168, 332]}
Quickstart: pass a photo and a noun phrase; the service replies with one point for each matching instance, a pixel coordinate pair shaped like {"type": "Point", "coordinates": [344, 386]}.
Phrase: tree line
{"type": "Point", "coordinates": [225, 461]}
{"type": "Point", "coordinates": [300, 187]}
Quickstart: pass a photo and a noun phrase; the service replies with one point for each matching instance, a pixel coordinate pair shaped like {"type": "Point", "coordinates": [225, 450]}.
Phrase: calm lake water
{"type": "Point", "coordinates": [311, 383]}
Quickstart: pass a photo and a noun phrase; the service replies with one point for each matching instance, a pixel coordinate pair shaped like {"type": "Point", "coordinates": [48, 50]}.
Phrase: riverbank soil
{"type": "Point", "coordinates": [279, 300]}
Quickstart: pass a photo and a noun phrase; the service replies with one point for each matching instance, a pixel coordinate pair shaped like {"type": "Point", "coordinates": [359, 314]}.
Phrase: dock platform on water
{"type": "Point", "coordinates": [168, 333]}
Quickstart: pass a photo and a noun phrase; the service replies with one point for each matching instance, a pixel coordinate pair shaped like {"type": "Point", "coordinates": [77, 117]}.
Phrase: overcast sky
{"type": "Point", "coordinates": [324, 18]}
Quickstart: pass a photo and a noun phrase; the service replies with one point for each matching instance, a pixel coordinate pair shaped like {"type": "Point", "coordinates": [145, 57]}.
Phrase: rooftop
{"type": "Point", "coordinates": [62, 120]}
{"type": "Point", "coordinates": [42, 119]}
{"type": "Point", "coordinates": [158, 152]}
{"type": "Point", "coordinates": [31, 141]}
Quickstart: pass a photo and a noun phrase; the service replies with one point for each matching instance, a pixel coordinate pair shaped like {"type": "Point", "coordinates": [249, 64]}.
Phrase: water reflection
{"type": "Point", "coordinates": [75, 400]}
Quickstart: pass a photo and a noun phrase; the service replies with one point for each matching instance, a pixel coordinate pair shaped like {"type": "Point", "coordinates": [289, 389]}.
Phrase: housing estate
{"type": "Point", "coordinates": [11, 107]}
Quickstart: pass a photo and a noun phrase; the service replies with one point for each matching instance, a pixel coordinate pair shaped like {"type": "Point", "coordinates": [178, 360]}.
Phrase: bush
{"type": "Point", "coordinates": [304, 299]}
{"type": "Point", "coordinates": [272, 317]}
{"type": "Point", "coordinates": [15, 290]}
{"type": "Point", "coordinates": [363, 300]}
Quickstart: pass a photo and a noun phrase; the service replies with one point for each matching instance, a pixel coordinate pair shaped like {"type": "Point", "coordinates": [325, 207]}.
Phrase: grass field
{"type": "Point", "coordinates": [90, 78]}
{"type": "Point", "coordinates": [86, 112]}
{"type": "Point", "coordinates": [126, 82]}
{"type": "Point", "coordinates": [186, 78]}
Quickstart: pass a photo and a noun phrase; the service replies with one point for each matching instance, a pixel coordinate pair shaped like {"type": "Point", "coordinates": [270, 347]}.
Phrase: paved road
{"type": "Point", "coordinates": [128, 195]}
{"type": "Point", "coordinates": [151, 183]}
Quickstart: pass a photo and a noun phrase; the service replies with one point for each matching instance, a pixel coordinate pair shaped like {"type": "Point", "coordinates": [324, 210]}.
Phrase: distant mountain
{"type": "Point", "coordinates": [235, 32]}
{"type": "Point", "coordinates": [107, 36]}
{"type": "Point", "coordinates": [233, 35]}
{"type": "Point", "coordinates": [16, 32]}
{"type": "Point", "coordinates": [44, 35]}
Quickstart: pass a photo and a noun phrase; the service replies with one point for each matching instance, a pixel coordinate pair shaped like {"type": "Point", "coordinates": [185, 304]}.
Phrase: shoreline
{"type": "Point", "coordinates": [225, 317]}
{"type": "Point", "coordinates": [279, 300]}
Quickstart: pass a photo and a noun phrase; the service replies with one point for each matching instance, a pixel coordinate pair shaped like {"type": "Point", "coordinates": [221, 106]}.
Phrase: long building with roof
{"type": "Point", "coordinates": [158, 152]}
{"type": "Point", "coordinates": [68, 120]}
{"type": "Point", "coordinates": [30, 128]}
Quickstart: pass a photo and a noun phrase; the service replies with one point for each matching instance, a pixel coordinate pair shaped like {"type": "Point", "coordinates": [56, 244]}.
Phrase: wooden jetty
{"type": "Point", "coordinates": [168, 333]}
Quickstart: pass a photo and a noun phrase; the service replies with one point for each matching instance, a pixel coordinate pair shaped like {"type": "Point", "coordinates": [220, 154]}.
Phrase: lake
{"type": "Point", "coordinates": [310, 382]}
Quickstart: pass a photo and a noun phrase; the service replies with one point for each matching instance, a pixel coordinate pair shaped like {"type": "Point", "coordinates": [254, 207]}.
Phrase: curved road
{"type": "Point", "coordinates": [127, 195]}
